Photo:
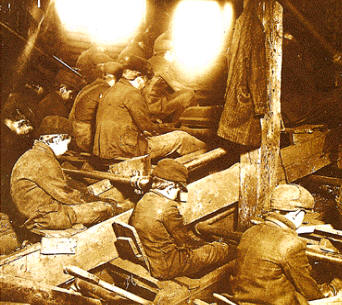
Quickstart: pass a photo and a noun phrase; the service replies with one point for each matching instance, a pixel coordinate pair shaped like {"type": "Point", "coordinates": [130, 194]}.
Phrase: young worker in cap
{"type": "Point", "coordinates": [164, 102]}
{"type": "Point", "coordinates": [59, 101]}
{"type": "Point", "coordinates": [124, 127]}
{"type": "Point", "coordinates": [271, 265]}
{"type": "Point", "coordinates": [41, 194]}
{"type": "Point", "coordinates": [171, 247]}
{"type": "Point", "coordinates": [83, 112]}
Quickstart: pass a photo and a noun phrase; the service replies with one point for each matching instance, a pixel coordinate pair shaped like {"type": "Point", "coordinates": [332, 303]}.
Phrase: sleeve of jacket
{"type": "Point", "coordinates": [297, 269]}
{"type": "Point", "coordinates": [174, 224]}
{"type": "Point", "coordinates": [138, 110]}
{"type": "Point", "coordinates": [53, 182]}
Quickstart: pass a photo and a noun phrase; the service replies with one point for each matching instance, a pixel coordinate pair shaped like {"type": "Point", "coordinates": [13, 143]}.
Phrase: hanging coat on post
{"type": "Point", "coordinates": [246, 95]}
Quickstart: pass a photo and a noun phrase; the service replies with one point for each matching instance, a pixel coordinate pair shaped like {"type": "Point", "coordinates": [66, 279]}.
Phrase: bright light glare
{"type": "Point", "coordinates": [104, 21]}
{"type": "Point", "coordinates": [199, 32]}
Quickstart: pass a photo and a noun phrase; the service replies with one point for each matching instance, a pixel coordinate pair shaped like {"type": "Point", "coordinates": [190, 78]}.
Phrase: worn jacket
{"type": "Point", "coordinates": [39, 185]}
{"type": "Point", "coordinates": [272, 267]}
{"type": "Point", "coordinates": [171, 247]}
{"type": "Point", "coordinates": [246, 95]}
{"type": "Point", "coordinates": [120, 121]}
{"type": "Point", "coordinates": [42, 196]}
{"type": "Point", "coordinates": [161, 230]}
{"type": "Point", "coordinates": [83, 112]}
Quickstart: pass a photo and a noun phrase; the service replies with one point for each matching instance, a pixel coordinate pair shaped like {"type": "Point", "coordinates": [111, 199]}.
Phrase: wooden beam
{"type": "Point", "coordinates": [302, 159]}
{"type": "Point", "coordinates": [24, 290]}
{"type": "Point", "coordinates": [94, 247]}
{"type": "Point", "coordinates": [211, 193]}
{"type": "Point", "coordinates": [325, 180]}
{"type": "Point", "coordinates": [258, 175]}
{"type": "Point", "coordinates": [336, 56]}
{"type": "Point", "coordinates": [221, 189]}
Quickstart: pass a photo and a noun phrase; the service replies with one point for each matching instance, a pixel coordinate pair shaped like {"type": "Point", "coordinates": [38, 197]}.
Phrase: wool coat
{"type": "Point", "coordinates": [171, 247]}
{"type": "Point", "coordinates": [246, 95]}
{"type": "Point", "coordinates": [83, 112]}
{"type": "Point", "coordinates": [43, 198]}
{"type": "Point", "coordinates": [120, 121]}
{"type": "Point", "coordinates": [272, 267]}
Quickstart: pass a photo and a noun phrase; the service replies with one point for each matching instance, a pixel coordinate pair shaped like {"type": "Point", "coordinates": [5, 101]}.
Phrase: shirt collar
{"type": "Point", "coordinates": [280, 220]}
{"type": "Point", "coordinates": [42, 146]}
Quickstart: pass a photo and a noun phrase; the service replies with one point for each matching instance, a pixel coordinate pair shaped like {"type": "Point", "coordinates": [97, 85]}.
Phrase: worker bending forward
{"type": "Point", "coordinates": [41, 194]}
{"type": "Point", "coordinates": [272, 266]}
{"type": "Point", "coordinates": [172, 248]}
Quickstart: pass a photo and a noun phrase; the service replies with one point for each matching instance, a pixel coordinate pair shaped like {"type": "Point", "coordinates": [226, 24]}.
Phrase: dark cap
{"type": "Point", "coordinates": [111, 67]}
{"type": "Point", "coordinates": [171, 170]}
{"type": "Point", "coordinates": [137, 63]}
{"type": "Point", "coordinates": [54, 124]}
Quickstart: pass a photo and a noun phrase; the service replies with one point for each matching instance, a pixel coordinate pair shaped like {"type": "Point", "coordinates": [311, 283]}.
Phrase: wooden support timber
{"type": "Point", "coordinates": [258, 174]}
{"type": "Point", "coordinates": [221, 190]}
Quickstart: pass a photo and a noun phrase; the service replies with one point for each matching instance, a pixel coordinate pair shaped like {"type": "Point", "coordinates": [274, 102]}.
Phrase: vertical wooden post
{"type": "Point", "coordinates": [258, 168]}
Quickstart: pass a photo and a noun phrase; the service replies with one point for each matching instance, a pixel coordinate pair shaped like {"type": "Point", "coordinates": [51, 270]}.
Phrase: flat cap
{"type": "Point", "coordinates": [137, 63]}
{"type": "Point", "coordinates": [171, 170]}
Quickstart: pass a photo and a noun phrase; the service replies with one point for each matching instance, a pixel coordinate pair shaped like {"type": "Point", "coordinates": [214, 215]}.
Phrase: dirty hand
{"type": "Point", "coordinates": [63, 217]}
{"type": "Point", "coordinates": [328, 290]}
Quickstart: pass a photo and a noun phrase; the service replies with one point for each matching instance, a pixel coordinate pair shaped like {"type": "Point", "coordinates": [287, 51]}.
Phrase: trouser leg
{"type": "Point", "coordinates": [207, 257]}
{"type": "Point", "coordinates": [173, 142]}
{"type": "Point", "coordinates": [191, 262]}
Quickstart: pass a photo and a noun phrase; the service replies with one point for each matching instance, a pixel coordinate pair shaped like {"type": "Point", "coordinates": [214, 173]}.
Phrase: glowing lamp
{"type": "Point", "coordinates": [103, 21]}
{"type": "Point", "coordinates": [199, 32]}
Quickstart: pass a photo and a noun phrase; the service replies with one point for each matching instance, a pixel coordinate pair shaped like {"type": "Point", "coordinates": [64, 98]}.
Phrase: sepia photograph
{"type": "Point", "coordinates": [171, 152]}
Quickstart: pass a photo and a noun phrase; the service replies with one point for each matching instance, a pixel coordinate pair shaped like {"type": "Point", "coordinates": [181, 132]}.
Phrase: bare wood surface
{"type": "Point", "coordinates": [258, 174]}
{"type": "Point", "coordinates": [297, 161]}
{"type": "Point", "coordinates": [211, 193]}
{"type": "Point", "coordinates": [97, 175]}
{"type": "Point", "coordinates": [221, 189]}
{"type": "Point", "coordinates": [95, 246]}
{"type": "Point", "coordinates": [190, 157]}
{"type": "Point", "coordinates": [96, 291]}
{"type": "Point", "coordinates": [136, 270]}
{"type": "Point", "coordinates": [24, 290]}
{"type": "Point", "coordinates": [83, 274]}
{"type": "Point", "coordinates": [205, 158]}
{"type": "Point", "coordinates": [325, 180]}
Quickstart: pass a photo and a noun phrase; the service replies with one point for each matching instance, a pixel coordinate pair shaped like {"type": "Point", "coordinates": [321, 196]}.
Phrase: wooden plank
{"type": "Point", "coordinates": [205, 158]}
{"type": "Point", "coordinates": [271, 123]}
{"type": "Point", "coordinates": [249, 184]}
{"type": "Point", "coordinates": [190, 157]}
{"type": "Point", "coordinates": [23, 290]}
{"type": "Point", "coordinates": [221, 189]}
{"type": "Point", "coordinates": [325, 180]}
{"type": "Point", "coordinates": [134, 166]}
{"type": "Point", "coordinates": [258, 174]}
{"type": "Point", "coordinates": [123, 229]}
{"type": "Point", "coordinates": [297, 161]}
{"type": "Point", "coordinates": [211, 193]}
{"type": "Point", "coordinates": [95, 246]}
{"type": "Point", "coordinates": [136, 270]}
